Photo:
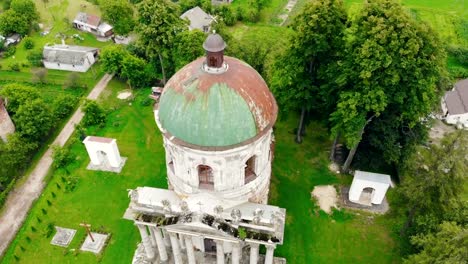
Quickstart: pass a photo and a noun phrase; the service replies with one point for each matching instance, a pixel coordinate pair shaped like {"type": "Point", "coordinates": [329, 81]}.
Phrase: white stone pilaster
{"type": "Point", "coordinates": [146, 241]}
{"type": "Point", "coordinates": [167, 240]}
{"type": "Point", "coordinates": [175, 248]}
{"type": "Point", "coordinates": [190, 252]}
{"type": "Point", "coordinates": [160, 244]}
{"type": "Point", "coordinates": [181, 242]}
{"type": "Point", "coordinates": [219, 252]}
{"type": "Point", "coordinates": [269, 254]}
{"type": "Point", "coordinates": [235, 254]}
{"type": "Point", "coordinates": [253, 253]}
{"type": "Point", "coordinates": [153, 240]}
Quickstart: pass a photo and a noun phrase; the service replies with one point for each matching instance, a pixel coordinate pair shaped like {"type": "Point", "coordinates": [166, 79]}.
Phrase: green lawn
{"type": "Point", "coordinates": [100, 198]}
{"type": "Point", "coordinates": [270, 11]}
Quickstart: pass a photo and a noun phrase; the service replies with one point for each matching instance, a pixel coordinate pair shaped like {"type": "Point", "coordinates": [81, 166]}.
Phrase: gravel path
{"type": "Point", "coordinates": [289, 6]}
{"type": "Point", "coordinates": [21, 198]}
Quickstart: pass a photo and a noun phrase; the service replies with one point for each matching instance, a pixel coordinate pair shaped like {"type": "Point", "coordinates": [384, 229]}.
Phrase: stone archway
{"type": "Point", "coordinates": [366, 196]}
{"type": "Point", "coordinates": [104, 154]}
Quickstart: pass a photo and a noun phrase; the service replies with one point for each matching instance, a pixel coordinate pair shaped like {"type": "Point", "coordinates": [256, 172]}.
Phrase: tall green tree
{"type": "Point", "coordinates": [17, 95]}
{"type": "Point", "coordinates": [394, 64]}
{"type": "Point", "coordinates": [26, 8]}
{"type": "Point", "coordinates": [188, 46]}
{"type": "Point", "coordinates": [12, 22]}
{"type": "Point", "coordinates": [433, 180]}
{"type": "Point", "coordinates": [298, 74]}
{"type": "Point", "coordinates": [33, 120]}
{"type": "Point", "coordinates": [449, 245]}
{"type": "Point", "coordinates": [111, 58]}
{"type": "Point", "coordinates": [119, 13]}
{"type": "Point", "coordinates": [158, 25]}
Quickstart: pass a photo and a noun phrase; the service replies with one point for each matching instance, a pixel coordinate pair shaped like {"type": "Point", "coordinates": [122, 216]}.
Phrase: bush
{"type": "Point", "coordinates": [39, 75]}
{"type": "Point", "coordinates": [61, 156]}
{"type": "Point", "coordinates": [10, 51]}
{"type": "Point", "coordinates": [73, 80]}
{"type": "Point", "coordinates": [28, 43]}
{"type": "Point", "coordinates": [49, 230]}
{"type": "Point", "coordinates": [64, 105]}
{"type": "Point", "coordinates": [35, 58]}
{"type": "Point", "coordinates": [460, 54]}
{"type": "Point", "coordinates": [14, 66]}
{"type": "Point", "coordinates": [94, 114]}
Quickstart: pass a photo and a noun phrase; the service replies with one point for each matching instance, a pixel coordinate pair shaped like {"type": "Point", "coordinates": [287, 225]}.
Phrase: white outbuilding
{"type": "Point", "coordinates": [104, 154]}
{"type": "Point", "coordinates": [69, 58]}
{"type": "Point", "coordinates": [455, 105]}
{"type": "Point", "coordinates": [369, 188]}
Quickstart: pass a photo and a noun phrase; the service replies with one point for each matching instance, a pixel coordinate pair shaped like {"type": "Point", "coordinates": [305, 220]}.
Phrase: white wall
{"type": "Point", "coordinates": [358, 185]}
{"type": "Point", "coordinates": [88, 62]}
{"type": "Point", "coordinates": [111, 150]}
{"type": "Point", "coordinates": [228, 169]}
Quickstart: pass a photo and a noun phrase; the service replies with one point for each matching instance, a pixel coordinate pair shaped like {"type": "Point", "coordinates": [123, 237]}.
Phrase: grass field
{"type": "Point", "coordinates": [100, 198]}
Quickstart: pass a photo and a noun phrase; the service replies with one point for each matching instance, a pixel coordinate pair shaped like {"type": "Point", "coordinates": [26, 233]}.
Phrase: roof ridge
{"type": "Point", "coordinates": [461, 99]}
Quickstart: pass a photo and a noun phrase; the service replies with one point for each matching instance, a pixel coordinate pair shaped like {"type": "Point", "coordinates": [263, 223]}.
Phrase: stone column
{"type": "Point", "coordinates": [235, 253]}
{"type": "Point", "coordinates": [269, 254]}
{"type": "Point", "coordinates": [153, 240]}
{"type": "Point", "coordinates": [160, 243]}
{"type": "Point", "coordinates": [167, 240]}
{"type": "Point", "coordinates": [181, 241]}
{"type": "Point", "coordinates": [175, 248]}
{"type": "Point", "coordinates": [146, 241]}
{"type": "Point", "coordinates": [253, 253]}
{"type": "Point", "coordinates": [219, 252]}
{"type": "Point", "coordinates": [190, 252]}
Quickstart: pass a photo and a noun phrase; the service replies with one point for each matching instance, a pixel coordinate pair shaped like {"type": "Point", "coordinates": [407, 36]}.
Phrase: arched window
{"type": "Point", "coordinates": [205, 177]}
{"type": "Point", "coordinates": [249, 170]}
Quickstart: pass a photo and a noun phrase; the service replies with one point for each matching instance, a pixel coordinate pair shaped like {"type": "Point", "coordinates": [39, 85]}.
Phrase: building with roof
{"type": "Point", "coordinates": [198, 19]}
{"type": "Point", "coordinates": [6, 125]}
{"type": "Point", "coordinates": [93, 24]}
{"type": "Point", "coordinates": [216, 116]}
{"type": "Point", "coordinates": [69, 58]}
{"type": "Point", "coordinates": [369, 188]}
{"type": "Point", "coordinates": [455, 104]}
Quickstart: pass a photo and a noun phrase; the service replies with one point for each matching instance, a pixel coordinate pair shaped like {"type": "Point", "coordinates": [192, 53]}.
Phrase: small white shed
{"type": "Point", "coordinates": [369, 188]}
{"type": "Point", "coordinates": [103, 151]}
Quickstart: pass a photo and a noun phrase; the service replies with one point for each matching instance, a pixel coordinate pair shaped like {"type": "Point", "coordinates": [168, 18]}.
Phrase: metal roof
{"type": "Point", "coordinates": [457, 99]}
{"type": "Point", "coordinates": [217, 110]}
{"type": "Point", "coordinates": [198, 18]}
{"type": "Point", "coordinates": [66, 54]}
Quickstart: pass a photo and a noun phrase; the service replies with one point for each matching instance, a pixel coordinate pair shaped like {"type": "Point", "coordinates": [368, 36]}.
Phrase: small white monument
{"type": "Point", "coordinates": [104, 154]}
{"type": "Point", "coordinates": [369, 188]}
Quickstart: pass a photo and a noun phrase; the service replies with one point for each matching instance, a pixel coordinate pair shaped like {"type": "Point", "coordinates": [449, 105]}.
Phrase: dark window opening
{"type": "Point", "coordinates": [205, 177]}
{"type": "Point", "coordinates": [250, 174]}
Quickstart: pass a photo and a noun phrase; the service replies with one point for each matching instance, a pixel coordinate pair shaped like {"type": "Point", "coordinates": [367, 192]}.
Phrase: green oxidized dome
{"type": "Point", "coordinates": [216, 110]}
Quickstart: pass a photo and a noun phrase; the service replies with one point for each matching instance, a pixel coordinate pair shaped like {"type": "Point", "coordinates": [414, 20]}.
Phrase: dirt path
{"type": "Point", "coordinates": [20, 199]}
{"type": "Point", "coordinates": [289, 6]}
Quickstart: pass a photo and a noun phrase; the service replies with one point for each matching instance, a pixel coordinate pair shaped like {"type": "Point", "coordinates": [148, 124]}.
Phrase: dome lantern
{"type": "Point", "coordinates": [214, 46]}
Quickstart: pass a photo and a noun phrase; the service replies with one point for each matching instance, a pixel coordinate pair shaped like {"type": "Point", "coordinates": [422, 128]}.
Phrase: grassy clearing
{"type": "Point", "coordinates": [270, 11]}
{"type": "Point", "coordinates": [100, 198]}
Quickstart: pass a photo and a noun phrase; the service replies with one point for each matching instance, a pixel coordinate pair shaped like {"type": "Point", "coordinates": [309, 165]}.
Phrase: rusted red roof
{"type": "Point", "coordinates": [240, 77]}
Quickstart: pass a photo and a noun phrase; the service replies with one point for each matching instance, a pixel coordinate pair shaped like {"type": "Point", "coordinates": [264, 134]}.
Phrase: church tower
{"type": "Point", "coordinates": [216, 115]}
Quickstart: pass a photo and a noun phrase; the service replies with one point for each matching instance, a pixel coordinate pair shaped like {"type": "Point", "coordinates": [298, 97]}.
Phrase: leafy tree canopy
{"type": "Point", "coordinates": [17, 95]}
{"type": "Point", "coordinates": [393, 66]}
{"type": "Point", "coordinates": [447, 246]}
{"type": "Point", "coordinates": [119, 13]}
{"type": "Point", "coordinates": [33, 120]}
{"type": "Point", "coordinates": [188, 46]}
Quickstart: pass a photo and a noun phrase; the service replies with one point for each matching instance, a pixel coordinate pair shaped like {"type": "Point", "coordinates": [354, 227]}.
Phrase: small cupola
{"type": "Point", "coordinates": [214, 46]}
